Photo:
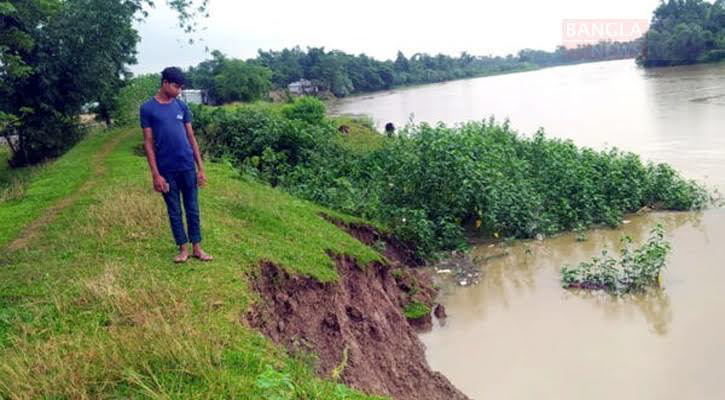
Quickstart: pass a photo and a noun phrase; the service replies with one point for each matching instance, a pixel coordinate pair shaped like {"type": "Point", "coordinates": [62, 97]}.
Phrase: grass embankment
{"type": "Point", "coordinates": [93, 307]}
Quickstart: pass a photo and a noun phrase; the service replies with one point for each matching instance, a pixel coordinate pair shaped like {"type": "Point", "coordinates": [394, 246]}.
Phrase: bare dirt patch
{"type": "Point", "coordinates": [394, 249]}
{"type": "Point", "coordinates": [355, 326]}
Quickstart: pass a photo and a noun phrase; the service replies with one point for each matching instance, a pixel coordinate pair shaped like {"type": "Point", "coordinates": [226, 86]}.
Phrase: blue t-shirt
{"type": "Point", "coordinates": [172, 147]}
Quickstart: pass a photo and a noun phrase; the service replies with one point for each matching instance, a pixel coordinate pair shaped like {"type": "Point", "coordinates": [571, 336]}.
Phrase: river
{"type": "Point", "coordinates": [518, 334]}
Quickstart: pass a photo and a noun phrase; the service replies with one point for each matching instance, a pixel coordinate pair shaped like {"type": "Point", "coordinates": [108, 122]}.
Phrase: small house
{"type": "Point", "coordinates": [302, 87]}
{"type": "Point", "coordinates": [194, 96]}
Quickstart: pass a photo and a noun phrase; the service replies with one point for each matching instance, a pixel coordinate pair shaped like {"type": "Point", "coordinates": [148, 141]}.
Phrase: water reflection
{"type": "Point", "coordinates": [514, 271]}
{"type": "Point", "coordinates": [653, 304]}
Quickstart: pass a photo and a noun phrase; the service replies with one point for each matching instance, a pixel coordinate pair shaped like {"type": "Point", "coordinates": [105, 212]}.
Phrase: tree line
{"type": "Point", "coordinates": [228, 79]}
{"type": "Point", "coordinates": [685, 32]}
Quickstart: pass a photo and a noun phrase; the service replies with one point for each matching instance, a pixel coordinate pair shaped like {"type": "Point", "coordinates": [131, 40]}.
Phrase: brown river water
{"type": "Point", "coordinates": [518, 334]}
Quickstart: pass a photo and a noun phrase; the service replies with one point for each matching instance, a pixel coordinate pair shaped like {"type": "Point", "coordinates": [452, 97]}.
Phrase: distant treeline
{"type": "Point", "coordinates": [228, 79]}
{"type": "Point", "coordinates": [685, 32]}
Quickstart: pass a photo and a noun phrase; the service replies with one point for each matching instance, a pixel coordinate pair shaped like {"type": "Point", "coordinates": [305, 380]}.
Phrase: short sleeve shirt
{"type": "Point", "coordinates": [171, 145]}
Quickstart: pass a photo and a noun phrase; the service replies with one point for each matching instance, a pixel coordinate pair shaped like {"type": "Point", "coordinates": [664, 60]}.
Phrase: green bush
{"type": "Point", "coordinates": [46, 136]}
{"type": "Point", "coordinates": [132, 95]}
{"type": "Point", "coordinates": [635, 270]}
{"type": "Point", "coordinates": [308, 109]}
{"type": "Point", "coordinates": [260, 139]}
{"type": "Point", "coordinates": [429, 182]}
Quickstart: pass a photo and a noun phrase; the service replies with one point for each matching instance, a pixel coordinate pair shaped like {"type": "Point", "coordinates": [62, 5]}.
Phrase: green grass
{"type": "Point", "coordinates": [36, 188]}
{"type": "Point", "coordinates": [416, 310]}
{"type": "Point", "coordinates": [362, 138]}
{"type": "Point", "coordinates": [94, 308]}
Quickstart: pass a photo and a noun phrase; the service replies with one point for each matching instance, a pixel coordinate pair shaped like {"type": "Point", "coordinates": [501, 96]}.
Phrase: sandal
{"type": "Point", "coordinates": [180, 260]}
{"type": "Point", "coordinates": [203, 257]}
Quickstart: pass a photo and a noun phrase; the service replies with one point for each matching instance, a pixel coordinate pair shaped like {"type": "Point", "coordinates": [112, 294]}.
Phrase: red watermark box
{"type": "Point", "coordinates": [576, 32]}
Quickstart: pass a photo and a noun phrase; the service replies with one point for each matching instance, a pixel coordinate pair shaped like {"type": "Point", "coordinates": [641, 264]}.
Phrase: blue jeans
{"type": "Point", "coordinates": [183, 185]}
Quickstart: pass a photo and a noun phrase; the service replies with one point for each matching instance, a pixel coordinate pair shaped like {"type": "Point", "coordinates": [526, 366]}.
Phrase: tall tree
{"type": "Point", "coordinates": [685, 32]}
{"type": "Point", "coordinates": [56, 56]}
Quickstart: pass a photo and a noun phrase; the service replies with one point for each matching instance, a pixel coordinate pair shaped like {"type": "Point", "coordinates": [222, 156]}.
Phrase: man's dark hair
{"type": "Point", "coordinates": [173, 75]}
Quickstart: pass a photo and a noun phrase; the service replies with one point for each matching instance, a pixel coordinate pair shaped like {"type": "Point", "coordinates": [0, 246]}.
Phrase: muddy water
{"type": "Point", "coordinates": [518, 334]}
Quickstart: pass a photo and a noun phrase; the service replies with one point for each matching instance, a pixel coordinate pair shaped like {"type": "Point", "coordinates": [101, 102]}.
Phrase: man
{"type": "Point", "coordinates": [172, 151]}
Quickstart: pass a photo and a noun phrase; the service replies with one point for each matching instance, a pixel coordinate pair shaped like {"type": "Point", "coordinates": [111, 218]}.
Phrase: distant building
{"type": "Point", "coordinates": [89, 107]}
{"type": "Point", "coordinates": [194, 96]}
{"type": "Point", "coordinates": [302, 86]}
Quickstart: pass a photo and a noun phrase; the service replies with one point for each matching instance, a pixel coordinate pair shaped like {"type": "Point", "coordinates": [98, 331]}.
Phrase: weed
{"type": "Point", "coordinates": [635, 269]}
{"type": "Point", "coordinates": [416, 310]}
{"type": "Point", "coordinates": [340, 368]}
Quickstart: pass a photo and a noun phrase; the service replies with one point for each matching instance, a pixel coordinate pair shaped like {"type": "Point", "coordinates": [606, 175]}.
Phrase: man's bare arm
{"type": "Point", "coordinates": [148, 144]}
{"type": "Point", "coordinates": [197, 154]}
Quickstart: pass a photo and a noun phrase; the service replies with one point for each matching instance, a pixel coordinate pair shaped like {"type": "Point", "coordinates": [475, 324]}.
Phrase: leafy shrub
{"type": "Point", "coordinates": [428, 182]}
{"type": "Point", "coordinates": [635, 270]}
{"type": "Point", "coordinates": [308, 109]}
{"type": "Point", "coordinates": [132, 95]}
{"type": "Point", "coordinates": [259, 138]}
{"type": "Point", "coordinates": [46, 137]}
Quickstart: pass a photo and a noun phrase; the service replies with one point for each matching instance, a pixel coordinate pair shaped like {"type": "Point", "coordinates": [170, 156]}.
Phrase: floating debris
{"type": "Point", "coordinates": [464, 270]}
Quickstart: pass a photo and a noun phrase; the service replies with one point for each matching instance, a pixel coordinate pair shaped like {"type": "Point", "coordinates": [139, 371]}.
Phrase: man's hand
{"type": "Point", "coordinates": [201, 178]}
{"type": "Point", "coordinates": [160, 184]}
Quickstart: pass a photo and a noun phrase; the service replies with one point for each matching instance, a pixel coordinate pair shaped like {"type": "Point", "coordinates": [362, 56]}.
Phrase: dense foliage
{"type": "Point", "coordinates": [57, 56]}
{"type": "Point", "coordinates": [228, 80]}
{"type": "Point", "coordinates": [134, 93]}
{"type": "Point", "coordinates": [635, 270]}
{"type": "Point", "coordinates": [685, 32]}
{"type": "Point", "coordinates": [431, 182]}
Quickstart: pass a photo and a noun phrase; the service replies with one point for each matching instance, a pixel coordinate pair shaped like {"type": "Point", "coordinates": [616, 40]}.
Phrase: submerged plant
{"type": "Point", "coordinates": [635, 269]}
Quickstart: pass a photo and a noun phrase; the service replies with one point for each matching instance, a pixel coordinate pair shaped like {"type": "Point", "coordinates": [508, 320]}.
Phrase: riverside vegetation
{"type": "Point", "coordinates": [685, 32]}
{"type": "Point", "coordinates": [634, 271]}
{"type": "Point", "coordinates": [432, 184]}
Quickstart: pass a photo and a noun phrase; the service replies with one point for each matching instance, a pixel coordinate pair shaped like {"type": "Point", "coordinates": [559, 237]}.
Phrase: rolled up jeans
{"type": "Point", "coordinates": [182, 185]}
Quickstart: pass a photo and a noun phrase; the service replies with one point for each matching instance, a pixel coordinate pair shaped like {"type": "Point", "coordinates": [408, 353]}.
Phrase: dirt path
{"type": "Point", "coordinates": [98, 170]}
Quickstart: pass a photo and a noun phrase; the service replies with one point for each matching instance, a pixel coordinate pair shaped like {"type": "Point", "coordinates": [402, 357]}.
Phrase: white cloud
{"type": "Point", "coordinates": [376, 27]}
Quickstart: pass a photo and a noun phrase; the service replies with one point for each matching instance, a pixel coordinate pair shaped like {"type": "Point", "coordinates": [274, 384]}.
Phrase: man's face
{"type": "Point", "coordinates": [172, 89]}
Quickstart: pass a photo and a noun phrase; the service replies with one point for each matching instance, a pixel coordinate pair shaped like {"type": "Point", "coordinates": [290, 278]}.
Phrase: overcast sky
{"type": "Point", "coordinates": [378, 28]}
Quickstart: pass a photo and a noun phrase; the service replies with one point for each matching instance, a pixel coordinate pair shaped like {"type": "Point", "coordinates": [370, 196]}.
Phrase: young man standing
{"type": "Point", "coordinates": [172, 152]}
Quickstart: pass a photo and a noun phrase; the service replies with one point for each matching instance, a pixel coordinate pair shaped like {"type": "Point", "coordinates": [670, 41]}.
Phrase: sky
{"type": "Point", "coordinates": [378, 28]}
